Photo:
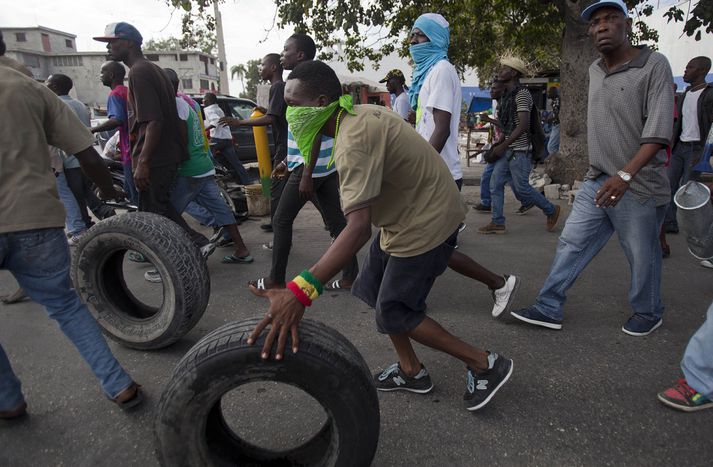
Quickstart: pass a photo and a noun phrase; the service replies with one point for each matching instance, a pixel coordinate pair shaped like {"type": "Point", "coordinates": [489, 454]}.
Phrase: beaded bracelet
{"type": "Point", "coordinates": [299, 293]}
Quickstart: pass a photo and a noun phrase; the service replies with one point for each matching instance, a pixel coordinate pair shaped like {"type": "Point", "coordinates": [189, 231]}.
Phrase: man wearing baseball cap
{"type": "Point", "coordinates": [158, 145]}
{"type": "Point", "coordinates": [395, 85]}
{"type": "Point", "coordinates": [626, 190]}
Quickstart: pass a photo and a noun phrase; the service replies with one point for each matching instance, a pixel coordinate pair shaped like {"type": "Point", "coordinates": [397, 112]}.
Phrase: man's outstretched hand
{"type": "Point", "coordinates": [284, 315]}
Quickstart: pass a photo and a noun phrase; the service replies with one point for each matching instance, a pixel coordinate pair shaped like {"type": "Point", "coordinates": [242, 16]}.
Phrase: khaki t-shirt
{"type": "Point", "coordinates": [28, 190]}
{"type": "Point", "coordinates": [383, 163]}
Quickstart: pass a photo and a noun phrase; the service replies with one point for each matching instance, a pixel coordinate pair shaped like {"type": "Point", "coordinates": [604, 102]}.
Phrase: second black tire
{"type": "Point", "coordinates": [192, 431]}
{"type": "Point", "coordinates": [98, 275]}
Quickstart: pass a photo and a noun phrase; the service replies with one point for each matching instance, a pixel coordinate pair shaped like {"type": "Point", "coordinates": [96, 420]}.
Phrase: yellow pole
{"type": "Point", "coordinates": [262, 147]}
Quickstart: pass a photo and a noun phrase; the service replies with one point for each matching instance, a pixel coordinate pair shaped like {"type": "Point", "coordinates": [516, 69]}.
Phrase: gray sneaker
{"type": "Point", "coordinates": [481, 387]}
{"type": "Point", "coordinates": [394, 379]}
{"type": "Point", "coordinates": [503, 296]}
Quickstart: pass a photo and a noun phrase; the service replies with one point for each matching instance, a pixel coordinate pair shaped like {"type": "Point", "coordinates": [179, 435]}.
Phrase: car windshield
{"type": "Point", "coordinates": [241, 110]}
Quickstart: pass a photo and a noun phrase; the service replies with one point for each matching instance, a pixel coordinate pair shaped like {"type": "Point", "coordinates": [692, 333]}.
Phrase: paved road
{"type": "Point", "coordinates": [585, 395]}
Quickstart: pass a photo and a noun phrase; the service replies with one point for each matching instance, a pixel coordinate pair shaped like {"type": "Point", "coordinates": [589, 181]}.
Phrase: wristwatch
{"type": "Point", "coordinates": [626, 176]}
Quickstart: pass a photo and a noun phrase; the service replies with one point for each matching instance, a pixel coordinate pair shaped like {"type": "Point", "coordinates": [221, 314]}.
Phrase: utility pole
{"type": "Point", "coordinates": [223, 69]}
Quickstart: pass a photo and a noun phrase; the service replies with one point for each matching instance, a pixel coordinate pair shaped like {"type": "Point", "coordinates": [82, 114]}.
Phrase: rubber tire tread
{"type": "Point", "coordinates": [98, 278]}
{"type": "Point", "coordinates": [204, 375]}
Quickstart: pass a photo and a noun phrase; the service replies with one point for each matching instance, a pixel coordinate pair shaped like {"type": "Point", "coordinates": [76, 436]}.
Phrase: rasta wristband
{"type": "Point", "coordinates": [299, 293]}
{"type": "Point", "coordinates": [309, 290]}
{"type": "Point", "coordinates": [306, 275]}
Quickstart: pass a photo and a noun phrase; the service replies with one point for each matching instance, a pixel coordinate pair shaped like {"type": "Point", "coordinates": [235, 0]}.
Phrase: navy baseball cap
{"type": "Point", "coordinates": [587, 13]}
{"type": "Point", "coordinates": [120, 31]}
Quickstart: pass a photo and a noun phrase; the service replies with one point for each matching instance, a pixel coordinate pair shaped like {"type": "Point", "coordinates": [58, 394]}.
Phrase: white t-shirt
{"type": "Point", "coordinates": [402, 105]}
{"type": "Point", "coordinates": [441, 90]}
{"type": "Point", "coordinates": [689, 113]}
{"type": "Point", "coordinates": [212, 114]}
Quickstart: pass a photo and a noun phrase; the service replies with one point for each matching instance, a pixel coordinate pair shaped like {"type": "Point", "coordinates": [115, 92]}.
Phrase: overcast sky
{"type": "Point", "coordinates": [245, 23]}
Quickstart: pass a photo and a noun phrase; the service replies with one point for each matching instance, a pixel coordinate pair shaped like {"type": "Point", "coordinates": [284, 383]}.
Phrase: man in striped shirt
{"type": "Point", "coordinates": [305, 182]}
{"type": "Point", "coordinates": [514, 152]}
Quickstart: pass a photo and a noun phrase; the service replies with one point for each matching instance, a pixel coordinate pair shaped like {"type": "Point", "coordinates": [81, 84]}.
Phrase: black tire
{"type": "Point", "coordinates": [191, 429]}
{"type": "Point", "coordinates": [97, 272]}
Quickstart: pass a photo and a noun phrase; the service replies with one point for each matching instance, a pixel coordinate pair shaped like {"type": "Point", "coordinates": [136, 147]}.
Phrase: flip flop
{"type": "Point", "coordinates": [136, 399]}
{"type": "Point", "coordinates": [232, 259]}
{"type": "Point", "coordinates": [337, 285]}
{"type": "Point", "coordinates": [258, 284]}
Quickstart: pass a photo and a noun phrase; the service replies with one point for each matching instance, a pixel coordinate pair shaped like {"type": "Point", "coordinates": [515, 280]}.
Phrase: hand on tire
{"type": "Point", "coordinates": [284, 315]}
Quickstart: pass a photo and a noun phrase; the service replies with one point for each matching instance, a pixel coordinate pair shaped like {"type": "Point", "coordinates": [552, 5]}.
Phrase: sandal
{"type": "Point", "coordinates": [232, 259]}
{"type": "Point", "coordinates": [337, 285]}
{"type": "Point", "coordinates": [132, 400]}
{"type": "Point", "coordinates": [260, 284]}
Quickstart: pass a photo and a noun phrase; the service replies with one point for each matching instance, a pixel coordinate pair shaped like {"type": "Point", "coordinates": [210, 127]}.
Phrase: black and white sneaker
{"type": "Point", "coordinates": [394, 379]}
{"type": "Point", "coordinates": [482, 387]}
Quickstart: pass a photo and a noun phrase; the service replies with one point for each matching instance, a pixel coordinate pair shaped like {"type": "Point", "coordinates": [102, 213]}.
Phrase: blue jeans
{"type": "Point", "coordinates": [39, 260]}
{"type": "Point", "coordinates": [553, 145]}
{"type": "Point", "coordinates": [588, 229]}
{"type": "Point", "coordinates": [203, 191]}
{"type": "Point", "coordinates": [129, 187]}
{"type": "Point", "coordinates": [225, 146]}
{"type": "Point", "coordinates": [204, 217]}
{"type": "Point", "coordinates": [485, 198]}
{"type": "Point", "coordinates": [74, 223]}
{"type": "Point", "coordinates": [515, 164]}
{"type": "Point", "coordinates": [697, 364]}
{"type": "Point", "coordinates": [679, 172]}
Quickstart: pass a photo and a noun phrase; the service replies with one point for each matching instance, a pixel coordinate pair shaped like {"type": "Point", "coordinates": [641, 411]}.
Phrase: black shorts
{"type": "Point", "coordinates": [397, 287]}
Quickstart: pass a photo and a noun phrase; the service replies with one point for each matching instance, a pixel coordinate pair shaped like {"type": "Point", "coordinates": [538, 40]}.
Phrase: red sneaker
{"type": "Point", "coordinates": [684, 397]}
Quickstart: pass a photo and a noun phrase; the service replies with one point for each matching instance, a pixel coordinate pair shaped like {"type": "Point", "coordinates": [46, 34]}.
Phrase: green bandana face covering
{"type": "Point", "coordinates": [305, 123]}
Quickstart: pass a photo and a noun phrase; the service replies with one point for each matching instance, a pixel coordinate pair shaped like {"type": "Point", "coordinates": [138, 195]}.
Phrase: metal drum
{"type": "Point", "coordinates": [695, 216]}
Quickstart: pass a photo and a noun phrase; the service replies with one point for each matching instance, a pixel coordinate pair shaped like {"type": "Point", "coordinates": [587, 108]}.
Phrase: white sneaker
{"type": "Point", "coordinates": [504, 295]}
{"type": "Point", "coordinates": [707, 263]}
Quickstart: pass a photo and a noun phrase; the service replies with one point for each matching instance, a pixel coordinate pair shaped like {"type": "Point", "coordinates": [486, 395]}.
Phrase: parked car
{"type": "Point", "coordinates": [243, 140]}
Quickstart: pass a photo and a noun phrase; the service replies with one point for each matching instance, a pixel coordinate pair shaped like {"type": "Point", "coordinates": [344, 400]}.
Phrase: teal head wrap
{"type": "Point", "coordinates": [306, 123]}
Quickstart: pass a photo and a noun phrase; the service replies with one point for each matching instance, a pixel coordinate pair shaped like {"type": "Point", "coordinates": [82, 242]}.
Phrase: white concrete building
{"type": "Point", "coordinates": [45, 51]}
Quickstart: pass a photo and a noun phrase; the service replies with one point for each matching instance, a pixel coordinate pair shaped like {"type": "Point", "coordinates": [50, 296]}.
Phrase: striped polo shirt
{"type": "Point", "coordinates": [630, 106]}
{"type": "Point", "coordinates": [523, 103]}
{"type": "Point", "coordinates": [295, 159]}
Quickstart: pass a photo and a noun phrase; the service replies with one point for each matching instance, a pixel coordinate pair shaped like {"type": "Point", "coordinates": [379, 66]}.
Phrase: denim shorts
{"type": "Point", "coordinates": [397, 287]}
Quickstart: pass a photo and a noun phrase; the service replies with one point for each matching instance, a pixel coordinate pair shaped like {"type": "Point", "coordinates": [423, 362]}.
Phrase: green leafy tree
{"type": "Point", "coordinates": [548, 33]}
{"type": "Point", "coordinates": [163, 45]}
{"type": "Point", "coordinates": [252, 79]}
{"type": "Point", "coordinates": [197, 24]}
{"type": "Point", "coordinates": [239, 71]}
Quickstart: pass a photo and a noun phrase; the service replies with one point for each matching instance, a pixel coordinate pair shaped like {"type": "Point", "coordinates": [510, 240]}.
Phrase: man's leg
{"type": "Point", "coordinates": [674, 171]}
{"type": "Point", "coordinates": [75, 183]}
{"type": "Point", "coordinates": [157, 199]}
{"type": "Point", "coordinates": [226, 147]}
{"type": "Point", "coordinates": [587, 230]}
{"type": "Point", "coordinates": [290, 205]}
{"type": "Point", "coordinates": [74, 222]}
{"type": "Point", "coordinates": [497, 189]}
{"type": "Point", "coordinates": [276, 187]}
{"type": "Point", "coordinates": [39, 260]}
{"type": "Point", "coordinates": [553, 145]}
{"type": "Point", "coordinates": [209, 197]}
{"type": "Point", "coordinates": [129, 186]}
{"type": "Point", "coordinates": [638, 226]}
{"type": "Point", "coordinates": [10, 387]}
{"type": "Point", "coordinates": [485, 185]}
{"type": "Point", "coordinates": [697, 364]}
{"type": "Point", "coordinates": [466, 266]}
{"type": "Point", "coordinates": [520, 168]}
{"type": "Point", "coordinates": [327, 193]}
